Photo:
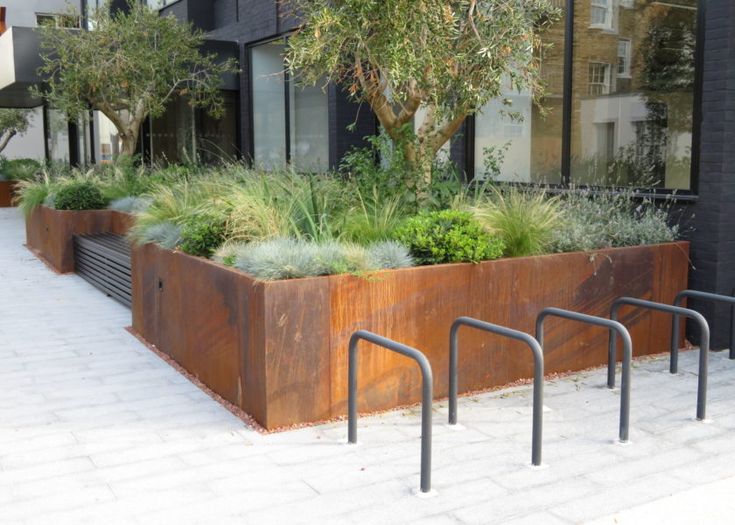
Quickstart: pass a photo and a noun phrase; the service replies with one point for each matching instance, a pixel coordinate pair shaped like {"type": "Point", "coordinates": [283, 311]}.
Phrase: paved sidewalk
{"type": "Point", "coordinates": [94, 428]}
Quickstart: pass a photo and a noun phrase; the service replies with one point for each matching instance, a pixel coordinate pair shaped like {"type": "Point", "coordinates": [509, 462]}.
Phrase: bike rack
{"type": "Point", "coordinates": [677, 311]}
{"type": "Point", "coordinates": [426, 402]}
{"type": "Point", "coordinates": [538, 374]}
{"type": "Point", "coordinates": [674, 366]}
{"type": "Point", "coordinates": [613, 327]}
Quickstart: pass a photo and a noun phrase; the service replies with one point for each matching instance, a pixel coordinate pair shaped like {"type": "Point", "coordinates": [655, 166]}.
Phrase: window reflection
{"type": "Point", "coordinates": [633, 92]}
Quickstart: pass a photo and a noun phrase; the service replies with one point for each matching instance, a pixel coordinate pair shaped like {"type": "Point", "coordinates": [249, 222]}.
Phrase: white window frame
{"type": "Point", "coordinates": [606, 81]}
{"type": "Point", "coordinates": [607, 5]}
{"type": "Point", "coordinates": [626, 56]}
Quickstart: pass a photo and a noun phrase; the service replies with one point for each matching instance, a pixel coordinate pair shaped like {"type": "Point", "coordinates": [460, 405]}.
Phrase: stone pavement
{"type": "Point", "coordinates": [95, 428]}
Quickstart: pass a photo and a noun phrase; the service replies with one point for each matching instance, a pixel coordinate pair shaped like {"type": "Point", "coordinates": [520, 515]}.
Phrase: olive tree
{"type": "Point", "coordinates": [12, 122]}
{"type": "Point", "coordinates": [129, 67]}
{"type": "Point", "coordinates": [449, 57]}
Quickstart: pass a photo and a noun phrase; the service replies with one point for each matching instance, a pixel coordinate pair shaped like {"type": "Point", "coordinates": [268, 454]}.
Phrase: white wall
{"type": "Point", "coordinates": [23, 12]}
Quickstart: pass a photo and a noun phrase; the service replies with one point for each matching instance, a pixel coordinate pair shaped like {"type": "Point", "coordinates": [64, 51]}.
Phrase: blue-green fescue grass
{"type": "Point", "coordinates": [297, 258]}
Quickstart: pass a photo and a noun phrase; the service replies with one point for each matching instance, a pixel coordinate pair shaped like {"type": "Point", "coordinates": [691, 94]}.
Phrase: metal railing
{"type": "Point", "coordinates": [426, 400]}
{"type": "Point", "coordinates": [674, 366]}
{"type": "Point", "coordinates": [538, 374]}
{"type": "Point", "coordinates": [613, 326]}
{"type": "Point", "coordinates": [677, 311]}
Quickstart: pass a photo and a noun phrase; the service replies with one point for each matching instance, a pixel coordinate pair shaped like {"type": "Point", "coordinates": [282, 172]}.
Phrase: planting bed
{"type": "Point", "coordinates": [278, 349]}
{"type": "Point", "coordinates": [50, 233]}
{"type": "Point", "coordinates": [7, 192]}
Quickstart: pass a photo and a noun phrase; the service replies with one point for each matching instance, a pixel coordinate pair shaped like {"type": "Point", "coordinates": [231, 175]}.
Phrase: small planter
{"type": "Point", "coordinates": [7, 193]}
{"type": "Point", "coordinates": [278, 350]}
{"type": "Point", "coordinates": [50, 233]}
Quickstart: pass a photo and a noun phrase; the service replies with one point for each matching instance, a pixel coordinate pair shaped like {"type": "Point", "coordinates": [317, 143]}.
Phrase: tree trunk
{"type": "Point", "coordinates": [129, 143]}
{"type": "Point", "coordinates": [5, 138]}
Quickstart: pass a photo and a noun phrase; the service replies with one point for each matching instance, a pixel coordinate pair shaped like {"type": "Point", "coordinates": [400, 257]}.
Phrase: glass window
{"type": "Point", "coordinates": [601, 13]}
{"type": "Point", "coordinates": [290, 122]}
{"type": "Point", "coordinates": [514, 140]}
{"type": "Point", "coordinates": [269, 107]}
{"type": "Point", "coordinates": [632, 123]}
{"type": "Point", "coordinates": [623, 58]}
{"type": "Point", "coordinates": [599, 78]}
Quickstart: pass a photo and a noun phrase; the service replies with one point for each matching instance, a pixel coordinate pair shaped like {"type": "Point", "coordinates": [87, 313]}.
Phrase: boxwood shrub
{"type": "Point", "coordinates": [202, 234]}
{"type": "Point", "coordinates": [448, 236]}
{"type": "Point", "coordinates": [79, 195]}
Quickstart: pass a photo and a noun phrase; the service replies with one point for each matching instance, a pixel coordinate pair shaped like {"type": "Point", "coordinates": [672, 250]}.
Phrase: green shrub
{"type": "Point", "coordinates": [202, 234]}
{"type": "Point", "coordinates": [79, 195]}
{"type": "Point", "coordinates": [448, 236]}
{"type": "Point", "coordinates": [19, 169]}
{"type": "Point", "coordinates": [603, 220]}
{"type": "Point", "coordinates": [525, 220]}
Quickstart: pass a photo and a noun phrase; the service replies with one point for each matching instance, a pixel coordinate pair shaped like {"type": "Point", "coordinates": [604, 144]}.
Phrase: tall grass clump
{"type": "Point", "coordinates": [524, 219]}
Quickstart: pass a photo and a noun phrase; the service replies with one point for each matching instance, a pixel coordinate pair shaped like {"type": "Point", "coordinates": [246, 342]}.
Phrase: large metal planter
{"type": "Point", "coordinates": [278, 350]}
{"type": "Point", "coordinates": [7, 192]}
{"type": "Point", "coordinates": [50, 233]}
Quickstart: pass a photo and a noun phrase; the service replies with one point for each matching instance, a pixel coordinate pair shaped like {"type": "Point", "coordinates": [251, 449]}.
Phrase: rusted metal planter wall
{"type": "Point", "coordinates": [50, 233]}
{"type": "Point", "coordinates": [278, 350]}
{"type": "Point", "coordinates": [7, 192]}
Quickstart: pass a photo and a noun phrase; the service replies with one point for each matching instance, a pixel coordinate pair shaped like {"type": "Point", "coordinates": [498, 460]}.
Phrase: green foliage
{"type": "Point", "coordinates": [12, 122]}
{"type": "Point", "coordinates": [202, 234]}
{"type": "Point", "coordinates": [525, 220]}
{"type": "Point", "coordinates": [33, 193]}
{"type": "Point", "coordinates": [129, 67]}
{"type": "Point", "coordinates": [603, 220]}
{"type": "Point", "coordinates": [19, 169]}
{"type": "Point", "coordinates": [449, 57]}
{"type": "Point", "coordinates": [374, 218]}
{"type": "Point", "coordinates": [448, 236]}
{"type": "Point", "coordinates": [79, 195]}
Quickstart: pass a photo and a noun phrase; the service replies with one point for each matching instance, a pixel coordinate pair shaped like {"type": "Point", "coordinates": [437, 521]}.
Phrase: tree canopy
{"type": "Point", "coordinates": [128, 67]}
{"type": "Point", "coordinates": [449, 57]}
{"type": "Point", "coordinates": [12, 122]}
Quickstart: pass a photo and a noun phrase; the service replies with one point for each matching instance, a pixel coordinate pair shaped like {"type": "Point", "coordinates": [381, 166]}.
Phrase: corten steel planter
{"type": "Point", "coordinates": [50, 233]}
{"type": "Point", "coordinates": [278, 349]}
{"type": "Point", "coordinates": [7, 192]}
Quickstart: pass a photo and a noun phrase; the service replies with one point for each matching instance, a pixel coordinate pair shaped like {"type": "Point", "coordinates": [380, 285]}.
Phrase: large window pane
{"type": "Point", "coordinates": [633, 92]}
{"type": "Point", "coordinates": [305, 122]}
{"type": "Point", "coordinates": [517, 142]}
{"type": "Point", "coordinates": [309, 128]}
{"type": "Point", "coordinates": [269, 107]}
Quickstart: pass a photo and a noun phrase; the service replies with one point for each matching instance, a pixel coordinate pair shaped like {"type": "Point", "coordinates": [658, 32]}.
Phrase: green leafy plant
{"type": "Point", "coordinates": [79, 195]}
{"type": "Point", "coordinates": [448, 236]}
{"type": "Point", "coordinates": [202, 234]}
{"type": "Point", "coordinates": [524, 219]}
{"type": "Point", "coordinates": [19, 169]}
